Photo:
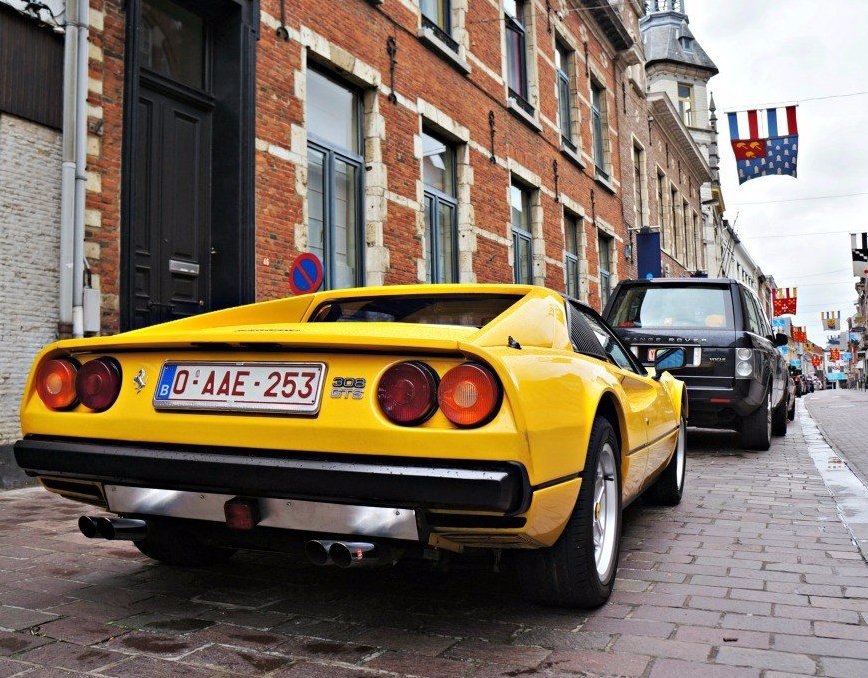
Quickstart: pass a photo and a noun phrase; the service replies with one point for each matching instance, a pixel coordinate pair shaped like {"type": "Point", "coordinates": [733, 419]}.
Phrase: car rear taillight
{"type": "Point", "coordinates": [55, 383]}
{"type": "Point", "coordinates": [407, 393]}
{"type": "Point", "coordinates": [98, 383]}
{"type": "Point", "coordinates": [469, 394]}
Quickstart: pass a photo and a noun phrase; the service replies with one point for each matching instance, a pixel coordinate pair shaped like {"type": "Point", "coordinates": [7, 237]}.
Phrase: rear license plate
{"type": "Point", "coordinates": [290, 388]}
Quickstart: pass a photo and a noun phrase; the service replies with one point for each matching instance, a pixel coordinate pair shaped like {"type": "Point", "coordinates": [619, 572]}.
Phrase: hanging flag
{"type": "Point", "coordinates": [831, 320]}
{"type": "Point", "coordinates": [784, 301]}
{"type": "Point", "coordinates": [859, 245]}
{"type": "Point", "coordinates": [800, 335]}
{"type": "Point", "coordinates": [816, 361]}
{"type": "Point", "coordinates": [764, 144]}
{"type": "Point", "coordinates": [834, 354]}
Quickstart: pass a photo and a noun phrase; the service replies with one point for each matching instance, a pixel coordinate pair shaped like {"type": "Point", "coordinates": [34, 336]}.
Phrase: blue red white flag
{"type": "Point", "coordinates": [765, 142]}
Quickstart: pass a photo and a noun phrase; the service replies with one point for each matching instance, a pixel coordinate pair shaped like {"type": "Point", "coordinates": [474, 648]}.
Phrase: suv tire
{"type": "Point", "coordinates": [568, 573]}
{"type": "Point", "coordinates": [756, 428]}
{"type": "Point", "coordinates": [779, 418]}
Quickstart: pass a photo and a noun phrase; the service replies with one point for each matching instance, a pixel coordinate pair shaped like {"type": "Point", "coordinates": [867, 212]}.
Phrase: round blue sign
{"type": "Point", "coordinates": [306, 274]}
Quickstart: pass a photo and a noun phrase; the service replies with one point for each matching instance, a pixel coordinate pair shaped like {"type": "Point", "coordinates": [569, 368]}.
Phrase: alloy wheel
{"type": "Point", "coordinates": [605, 517]}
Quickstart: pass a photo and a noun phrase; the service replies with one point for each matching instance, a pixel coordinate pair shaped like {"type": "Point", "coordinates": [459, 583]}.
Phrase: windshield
{"type": "Point", "coordinates": [467, 311]}
{"type": "Point", "coordinates": [688, 306]}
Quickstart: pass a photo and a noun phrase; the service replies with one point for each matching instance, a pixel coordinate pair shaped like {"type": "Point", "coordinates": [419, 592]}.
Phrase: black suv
{"type": "Point", "coordinates": [735, 376]}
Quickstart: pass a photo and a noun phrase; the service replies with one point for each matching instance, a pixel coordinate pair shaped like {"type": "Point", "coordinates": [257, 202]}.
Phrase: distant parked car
{"type": "Point", "coordinates": [735, 376]}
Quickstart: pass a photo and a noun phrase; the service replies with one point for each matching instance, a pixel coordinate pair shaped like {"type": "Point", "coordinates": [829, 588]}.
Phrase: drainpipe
{"type": "Point", "coordinates": [80, 167]}
{"type": "Point", "coordinates": [67, 182]}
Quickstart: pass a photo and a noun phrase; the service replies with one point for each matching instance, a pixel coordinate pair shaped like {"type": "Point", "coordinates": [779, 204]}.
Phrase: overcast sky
{"type": "Point", "coordinates": [783, 51]}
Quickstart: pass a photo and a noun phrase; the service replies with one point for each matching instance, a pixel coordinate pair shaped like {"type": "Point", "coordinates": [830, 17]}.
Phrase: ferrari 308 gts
{"type": "Point", "coordinates": [365, 425]}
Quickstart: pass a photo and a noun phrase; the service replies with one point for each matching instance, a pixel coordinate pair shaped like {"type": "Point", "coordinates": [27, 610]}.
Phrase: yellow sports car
{"type": "Point", "coordinates": [364, 425]}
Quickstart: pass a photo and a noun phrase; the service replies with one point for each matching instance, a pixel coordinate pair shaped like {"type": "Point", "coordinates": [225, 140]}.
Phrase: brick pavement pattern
{"type": "Point", "coordinates": [840, 413]}
{"type": "Point", "coordinates": [753, 575]}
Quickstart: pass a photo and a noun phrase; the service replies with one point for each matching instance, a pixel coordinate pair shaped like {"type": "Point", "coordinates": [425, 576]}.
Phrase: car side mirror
{"type": "Point", "coordinates": [669, 359]}
{"type": "Point", "coordinates": [781, 339]}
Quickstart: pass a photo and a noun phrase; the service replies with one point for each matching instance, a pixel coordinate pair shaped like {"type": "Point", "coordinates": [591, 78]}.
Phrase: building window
{"type": "Point", "coordinates": [515, 15]}
{"type": "Point", "coordinates": [573, 238]}
{"type": "Point", "coordinates": [522, 240]}
{"type": "Point", "coordinates": [604, 243]}
{"type": "Point", "coordinates": [638, 183]}
{"type": "Point", "coordinates": [661, 208]}
{"type": "Point", "coordinates": [441, 209]}
{"type": "Point", "coordinates": [700, 243]}
{"type": "Point", "coordinates": [599, 124]}
{"type": "Point", "coordinates": [685, 103]}
{"type": "Point", "coordinates": [563, 66]}
{"type": "Point", "coordinates": [438, 14]}
{"type": "Point", "coordinates": [689, 235]}
{"type": "Point", "coordinates": [673, 222]}
{"type": "Point", "coordinates": [334, 180]}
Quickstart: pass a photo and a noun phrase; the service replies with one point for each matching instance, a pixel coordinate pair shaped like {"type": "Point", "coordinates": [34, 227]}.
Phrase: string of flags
{"type": "Point", "coordinates": [831, 320]}
{"type": "Point", "coordinates": [765, 144]}
{"type": "Point", "coordinates": [784, 301]}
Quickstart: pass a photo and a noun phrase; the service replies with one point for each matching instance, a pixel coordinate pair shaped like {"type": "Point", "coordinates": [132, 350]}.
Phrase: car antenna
{"type": "Point", "coordinates": [512, 343]}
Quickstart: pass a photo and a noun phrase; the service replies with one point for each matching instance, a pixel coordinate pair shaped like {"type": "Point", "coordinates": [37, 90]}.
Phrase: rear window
{"type": "Point", "coordinates": [467, 311]}
{"type": "Point", "coordinates": [688, 307]}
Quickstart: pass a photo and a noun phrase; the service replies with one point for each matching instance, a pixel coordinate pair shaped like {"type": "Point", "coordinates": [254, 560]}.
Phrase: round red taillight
{"type": "Point", "coordinates": [55, 384]}
{"type": "Point", "coordinates": [407, 393]}
{"type": "Point", "coordinates": [98, 383]}
{"type": "Point", "coordinates": [469, 394]}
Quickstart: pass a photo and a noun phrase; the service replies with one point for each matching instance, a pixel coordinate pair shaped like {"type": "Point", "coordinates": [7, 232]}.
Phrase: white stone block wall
{"type": "Point", "coordinates": [30, 159]}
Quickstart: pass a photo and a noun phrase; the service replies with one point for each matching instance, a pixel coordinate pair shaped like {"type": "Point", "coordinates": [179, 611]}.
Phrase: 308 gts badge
{"type": "Point", "coordinates": [348, 387]}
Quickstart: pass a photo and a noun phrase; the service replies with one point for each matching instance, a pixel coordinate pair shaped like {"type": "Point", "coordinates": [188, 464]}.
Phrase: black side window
{"type": "Point", "coordinates": [588, 331]}
{"type": "Point", "coordinates": [751, 320]}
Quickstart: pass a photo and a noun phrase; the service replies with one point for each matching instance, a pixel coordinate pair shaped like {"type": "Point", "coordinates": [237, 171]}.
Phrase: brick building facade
{"type": "Point", "coordinates": [535, 181]}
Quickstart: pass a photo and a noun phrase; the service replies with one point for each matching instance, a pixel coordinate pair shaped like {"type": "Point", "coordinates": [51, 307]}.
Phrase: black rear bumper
{"type": "Point", "coordinates": [502, 487]}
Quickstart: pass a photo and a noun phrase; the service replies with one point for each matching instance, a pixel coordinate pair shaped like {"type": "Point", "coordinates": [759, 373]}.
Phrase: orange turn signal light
{"type": "Point", "coordinates": [469, 394]}
{"type": "Point", "coordinates": [55, 384]}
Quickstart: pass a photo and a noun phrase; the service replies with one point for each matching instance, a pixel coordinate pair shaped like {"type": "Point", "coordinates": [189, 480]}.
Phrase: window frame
{"type": "Point", "coordinates": [673, 216]}
{"type": "Point", "coordinates": [604, 240]}
{"type": "Point", "coordinates": [638, 198]}
{"type": "Point", "coordinates": [438, 197]}
{"type": "Point", "coordinates": [446, 7]}
{"type": "Point", "coordinates": [599, 119]}
{"type": "Point", "coordinates": [520, 234]}
{"type": "Point", "coordinates": [331, 153]}
{"type": "Point", "coordinates": [565, 78]}
{"type": "Point", "coordinates": [575, 223]}
{"type": "Point", "coordinates": [661, 207]}
{"type": "Point", "coordinates": [518, 25]}
{"type": "Point", "coordinates": [685, 104]}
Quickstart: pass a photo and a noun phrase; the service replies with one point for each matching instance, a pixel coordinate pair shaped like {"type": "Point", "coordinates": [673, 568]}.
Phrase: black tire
{"type": "Point", "coordinates": [791, 414]}
{"type": "Point", "coordinates": [177, 546]}
{"type": "Point", "coordinates": [566, 574]}
{"type": "Point", "coordinates": [669, 486]}
{"type": "Point", "coordinates": [756, 428]}
{"type": "Point", "coordinates": [779, 418]}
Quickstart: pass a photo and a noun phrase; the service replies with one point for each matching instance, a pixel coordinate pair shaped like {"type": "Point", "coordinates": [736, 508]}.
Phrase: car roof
{"type": "Point", "coordinates": [682, 281]}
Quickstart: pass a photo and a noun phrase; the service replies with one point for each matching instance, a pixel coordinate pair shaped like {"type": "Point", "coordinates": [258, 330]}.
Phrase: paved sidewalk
{"type": "Point", "coordinates": [753, 575]}
{"type": "Point", "coordinates": [843, 417]}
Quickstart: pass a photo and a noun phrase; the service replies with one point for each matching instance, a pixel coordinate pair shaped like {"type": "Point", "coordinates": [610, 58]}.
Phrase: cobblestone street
{"type": "Point", "coordinates": [841, 415]}
{"type": "Point", "coordinates": [754, 574]}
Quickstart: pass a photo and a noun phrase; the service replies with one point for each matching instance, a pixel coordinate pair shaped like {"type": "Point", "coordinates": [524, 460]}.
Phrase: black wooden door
{"type": "Point", "coordinates": [171, 220]}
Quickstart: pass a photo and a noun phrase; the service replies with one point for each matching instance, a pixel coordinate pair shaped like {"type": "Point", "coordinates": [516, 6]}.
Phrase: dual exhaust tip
{"type": "Point", "coordinates": [128, 529]}
{"type": "Point", "coordinates": [348, 553]}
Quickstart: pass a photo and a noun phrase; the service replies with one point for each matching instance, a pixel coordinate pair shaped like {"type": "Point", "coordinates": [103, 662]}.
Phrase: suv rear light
{"type": "Point", "coordinates": [98, 383]}
{"type": "Point", "coordinates": [469, 395]}
{"type": "Point", "coordinates": [55, 384]}
{"type": "Point", "coordinates": [407, 393]}
{"type": "Point", "coordinates": [743, 363]}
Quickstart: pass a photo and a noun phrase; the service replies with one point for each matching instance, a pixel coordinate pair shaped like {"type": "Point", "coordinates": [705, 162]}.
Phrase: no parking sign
{"type": "Point", "coordinates": [306, 274]}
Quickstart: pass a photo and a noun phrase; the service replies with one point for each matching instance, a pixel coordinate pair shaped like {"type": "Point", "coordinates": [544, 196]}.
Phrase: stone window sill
{"type": "Point", "coordinates": [573, 155]}
{"type": "Point", "coordinates": [604, 181]}
{"type": "Point", "coordinates": [515, 108]}
{"type": "Point", "coordinates": [435, 44]}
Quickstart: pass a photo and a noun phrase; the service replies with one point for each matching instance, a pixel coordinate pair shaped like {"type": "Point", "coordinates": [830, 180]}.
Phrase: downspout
{"type": "Point", "coordinates": [67, 182]}
{"type": "Point", "coordinates": [78, 262]}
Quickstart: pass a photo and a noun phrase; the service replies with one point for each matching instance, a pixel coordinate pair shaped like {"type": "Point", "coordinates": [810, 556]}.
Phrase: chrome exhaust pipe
{"type": "Point", "coordinates": [317, 551]}
{"type": "Point", "coordinates": [355, 554]}
{"type": "Point", "coordinates": [113, 529]}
